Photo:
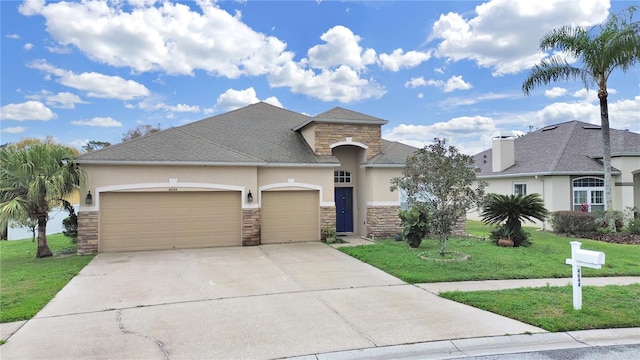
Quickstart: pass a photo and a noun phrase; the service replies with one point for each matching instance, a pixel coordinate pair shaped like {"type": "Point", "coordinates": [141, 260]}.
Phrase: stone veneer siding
{"type": "Point", "coordinates": [383, 221]}
{"type": "Point", "coordinates": [250, 227]}
{"type": "Point", "coordinates": [327, 217]}
{"type": "Point", "coordinates": [327, 134]}
{"type": "Point", "coordinates": [88, 232]}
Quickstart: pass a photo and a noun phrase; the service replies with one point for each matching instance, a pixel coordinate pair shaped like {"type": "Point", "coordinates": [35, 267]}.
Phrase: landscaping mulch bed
{"type": "Point", "coordinates": [629, 239]}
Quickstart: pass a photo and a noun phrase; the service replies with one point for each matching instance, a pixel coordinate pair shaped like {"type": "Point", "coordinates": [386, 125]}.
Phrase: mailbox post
{"type": "Point", "coordinates": [579, 258]}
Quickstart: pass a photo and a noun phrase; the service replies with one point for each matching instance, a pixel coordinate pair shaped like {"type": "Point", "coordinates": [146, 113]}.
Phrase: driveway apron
{"type": "Point", "coordinates": [263, 302]}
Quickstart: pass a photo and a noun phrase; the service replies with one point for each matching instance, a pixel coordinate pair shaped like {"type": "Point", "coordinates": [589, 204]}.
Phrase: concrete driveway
{"type": "Point", "coordinates": [270, 301]}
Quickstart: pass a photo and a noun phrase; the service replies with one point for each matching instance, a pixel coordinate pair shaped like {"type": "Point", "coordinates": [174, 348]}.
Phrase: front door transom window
{"type": "Point", "coordinates": [340, 176]}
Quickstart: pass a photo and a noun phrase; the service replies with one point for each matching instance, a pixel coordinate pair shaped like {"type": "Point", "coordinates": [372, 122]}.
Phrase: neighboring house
{"type": "Point", "coordinates": [563, 163]}
{"type": "Point", "coordinates": [256, 175]}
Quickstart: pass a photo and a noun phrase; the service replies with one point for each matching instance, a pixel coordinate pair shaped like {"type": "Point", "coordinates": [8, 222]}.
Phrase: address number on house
{"type": "Point", "coordinates": [173, 189]}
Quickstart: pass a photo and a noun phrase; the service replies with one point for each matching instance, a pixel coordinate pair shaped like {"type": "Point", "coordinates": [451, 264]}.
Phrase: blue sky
{"type": "Point", "coordinates": [83, 71]}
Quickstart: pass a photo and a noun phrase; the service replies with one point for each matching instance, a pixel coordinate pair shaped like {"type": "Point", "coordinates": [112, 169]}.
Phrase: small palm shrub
{"type": "Point", "coordinates": [512, 210]}
{"type": "Point", "coordinates": [518, 236]}
{"type": "Point", "coordinates": [415, 222]}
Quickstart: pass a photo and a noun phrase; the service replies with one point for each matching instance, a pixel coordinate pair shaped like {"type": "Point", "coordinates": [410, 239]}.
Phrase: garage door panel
{"type": "Point", "coordinates": [290, 216]}
{"type": "Point", "coordinates": [147, 220]}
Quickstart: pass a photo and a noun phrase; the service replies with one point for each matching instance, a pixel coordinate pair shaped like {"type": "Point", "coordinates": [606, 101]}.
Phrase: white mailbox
{"type": "Point", "coordinates": [589, 258]}
{"type": "Point", "coordinates": [579, 258]}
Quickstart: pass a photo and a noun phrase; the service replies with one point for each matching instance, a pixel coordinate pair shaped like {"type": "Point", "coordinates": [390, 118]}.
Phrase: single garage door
{"type": "Point", "coordinates": [169, 220]}
{"type": "Point", "coordinates": [290, 216]}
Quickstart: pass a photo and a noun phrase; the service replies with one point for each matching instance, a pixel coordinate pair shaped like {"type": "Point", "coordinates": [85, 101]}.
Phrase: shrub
{"type": "Point", "coordinates": [415, 221]}
{"type": "Point", "coordinates": [519, 236]}
{"type": "Point", "coordinates": [633, 227]}
{"type": "Point", "coordinates": [70, 224]}
{"type": "Point", "coordinates": [602, 221]}
{"type": "Point", "coordinates": [573, 222]}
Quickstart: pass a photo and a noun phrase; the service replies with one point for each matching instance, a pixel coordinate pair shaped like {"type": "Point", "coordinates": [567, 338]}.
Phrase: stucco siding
{"type": "Point", "coordinates": [287, 176]}
{"type": "Point", "coordinates": [167, 178]}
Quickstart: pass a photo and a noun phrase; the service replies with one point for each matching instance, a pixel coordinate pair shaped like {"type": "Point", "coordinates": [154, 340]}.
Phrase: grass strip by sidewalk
{"type": "Point", "coordinates": [551, 308]}
{"type": "Point", "coordinates": [27, 284]}
{"type": "Point", "coordinates": [544, 259]}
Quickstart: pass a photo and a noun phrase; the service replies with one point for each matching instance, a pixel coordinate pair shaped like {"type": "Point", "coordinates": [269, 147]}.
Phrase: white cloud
{"type": "Point", "coordinates": [177, 39]}
{"type": "Point", "coordinates": [14, 130]}
{"type": "Point", "coordinates": [470, 100]}
{"type": "Point", "coordinates": [59, 49]}
{"type": "Point", "coordinates": [95, 84]}
{"type": "Point", "coordinates": [454, 83]}
{"type": "Point", "coordinates": [398, 59]}
{"type": "Point", "coordinates": [415, 82]}
{"type": "Point", "coordinates": [149, 104]}
{"type": "Point", "coordinates": [64, 100]}
{"type": "Point", "coordinates": [469, 133]}
{"type": "Point", "coordinates": [164, 36]}
{"type": "Point", "coordinates": [341, 48]}
{"type": "Point", "coordinates": [28, 46]}
{"type": "Point", "coordinates": [29, 110]}
{"type": "Point", "coordinates": [98, 121]}
{"type": "Point", "coordinates": [234, 99]}
{"type": "Point", "coordinates": [504, 34]}
{"type": "Point", "coordinates": [31, 7]}
{"type": "Point", "coordinates": [420, 95]}
{"type": "Point", "coordinates": [13, 36]}
{"type": "Point", "coordinates": [555, 92]}
{"type": "Point", "coordinates": [342, 84]}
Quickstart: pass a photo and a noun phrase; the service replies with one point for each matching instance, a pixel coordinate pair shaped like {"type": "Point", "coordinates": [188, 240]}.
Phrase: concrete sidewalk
{"type": "Point", "coordinates": [471, 347]}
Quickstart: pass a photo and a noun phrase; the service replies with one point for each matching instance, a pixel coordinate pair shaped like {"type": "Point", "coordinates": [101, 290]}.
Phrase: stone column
{"type": "Point", "coordinates": [250, 227]}
{"type": "Point", "coordinates": [88, 235]}
{"type": "Point", "coordinates": [383, 221]}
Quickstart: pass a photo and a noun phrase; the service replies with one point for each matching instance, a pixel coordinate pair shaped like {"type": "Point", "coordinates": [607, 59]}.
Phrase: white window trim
{"type": "Point", "coordinates": [589, 190]}
{"type": "Point", "coordinates": [526, 187]}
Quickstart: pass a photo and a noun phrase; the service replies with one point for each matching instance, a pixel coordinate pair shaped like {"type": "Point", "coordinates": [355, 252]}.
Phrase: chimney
{"type": "Point", "coordinates": [503, 151]}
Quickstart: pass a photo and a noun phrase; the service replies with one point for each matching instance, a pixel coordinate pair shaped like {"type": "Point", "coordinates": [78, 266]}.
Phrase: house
{"type": "Point", "coordinates": [563, 163]}
{"type": "Point", "coordinates": [256, 175]}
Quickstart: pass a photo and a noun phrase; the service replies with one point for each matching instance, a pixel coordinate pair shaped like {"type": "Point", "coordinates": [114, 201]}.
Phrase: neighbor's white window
{"type": "Point", "coordinates": [520, 188]}
{"type": "Point", "coordinates": [589, 191]}
{"type": "Point", "coordinates": [340, 176]}
{"type": "Point", "coordinates": [404, 199]}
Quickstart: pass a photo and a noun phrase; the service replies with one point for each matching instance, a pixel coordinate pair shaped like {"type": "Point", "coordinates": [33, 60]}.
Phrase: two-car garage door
{"type": "Point", "coordinates": [168, 220]}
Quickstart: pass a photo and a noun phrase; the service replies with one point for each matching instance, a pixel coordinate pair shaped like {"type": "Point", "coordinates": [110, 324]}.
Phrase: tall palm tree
{"type": "Point", "coordinates": [514, 209]}
{"type": "Point", "coordinates": [599, 51]}
{"type": "Point", "coordinates": [33, 180]}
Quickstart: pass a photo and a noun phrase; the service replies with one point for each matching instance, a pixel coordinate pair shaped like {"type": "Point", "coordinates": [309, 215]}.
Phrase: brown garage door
{"type": "Point", "coordinates": [169, 220]}
{"type": "Point", "coordinates": [290, 216]}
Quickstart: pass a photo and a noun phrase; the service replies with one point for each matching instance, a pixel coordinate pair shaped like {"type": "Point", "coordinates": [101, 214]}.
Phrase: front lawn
{"type": "Point", "coordinates": [551, 308]}
{"type": "Point", "coordinates": [544, 259]}
{"type": "Point", "coordinates": [27, 284]}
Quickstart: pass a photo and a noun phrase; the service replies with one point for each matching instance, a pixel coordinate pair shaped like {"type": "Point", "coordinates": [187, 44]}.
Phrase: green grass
{"type": "Point", "coordinates": [27, 284]}
{"type": "Point", "coordinates": [551, 308]}
{"type": "Point", "coordinates": [544, 259]}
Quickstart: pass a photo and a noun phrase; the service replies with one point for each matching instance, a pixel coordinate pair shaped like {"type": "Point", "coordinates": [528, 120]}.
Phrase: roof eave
{"type": "Point", "coordinates": [546, 173]}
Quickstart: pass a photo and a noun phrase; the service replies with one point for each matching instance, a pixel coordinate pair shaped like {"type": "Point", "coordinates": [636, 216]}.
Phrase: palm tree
{"type": "Point", "coordinates": [616, 45]}
{"type": "Point", "coordinates": [34, 179]}
{"type": "Point", "coordinates": [514, 209]}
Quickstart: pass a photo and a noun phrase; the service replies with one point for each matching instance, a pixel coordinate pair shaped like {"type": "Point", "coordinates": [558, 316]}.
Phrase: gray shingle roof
{"type": "Point", "coordinates": [252, 135]}
{"type": "Point", "coordinates": [393, 153]}
{"type": "Point", "coordinates": [568, 148]}
{"type": "Point", "coordinates": [339, 115]}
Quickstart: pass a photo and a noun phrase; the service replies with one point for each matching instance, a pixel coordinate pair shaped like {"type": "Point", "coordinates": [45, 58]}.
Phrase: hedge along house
{"type": "Point", "coordinates": [256, 175]}
{"type": "Point", "coordinates": [563, 163]}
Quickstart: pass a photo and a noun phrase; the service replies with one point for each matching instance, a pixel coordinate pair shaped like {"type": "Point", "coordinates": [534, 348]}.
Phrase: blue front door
{"type": "Point", "coordinates": [344, 209]}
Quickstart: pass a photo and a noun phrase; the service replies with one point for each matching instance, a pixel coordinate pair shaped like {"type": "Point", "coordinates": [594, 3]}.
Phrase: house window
{"type": "Point", "coordinates": [404, 199]}
{"type": "Point", "coordinates": [520, 188]}
{"type": "Point", "coordinates": [588, 193]}
{"type": "Point", "coordinates": [340, 176]}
